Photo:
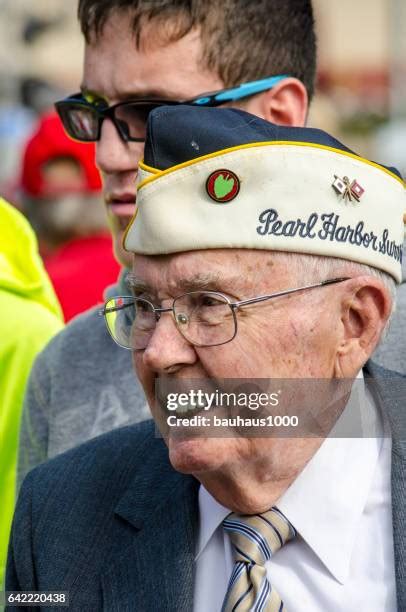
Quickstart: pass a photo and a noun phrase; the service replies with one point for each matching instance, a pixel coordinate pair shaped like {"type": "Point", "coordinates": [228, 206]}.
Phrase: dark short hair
{"type": "Point", "coordinates": [243, 40]}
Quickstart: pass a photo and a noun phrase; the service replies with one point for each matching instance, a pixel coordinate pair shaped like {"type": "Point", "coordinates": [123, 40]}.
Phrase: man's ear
{"type": "Point", "coordinates": [284, 104]}
{"type": "Point", "coordinates": [365, 309]}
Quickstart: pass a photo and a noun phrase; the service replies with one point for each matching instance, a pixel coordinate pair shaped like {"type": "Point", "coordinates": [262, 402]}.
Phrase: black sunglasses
{"type": "Point", "coordinates": [83, 120]}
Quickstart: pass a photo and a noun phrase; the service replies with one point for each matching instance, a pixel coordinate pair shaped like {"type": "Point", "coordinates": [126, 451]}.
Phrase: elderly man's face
{"type": "Point", "coordinates": [290, 337]}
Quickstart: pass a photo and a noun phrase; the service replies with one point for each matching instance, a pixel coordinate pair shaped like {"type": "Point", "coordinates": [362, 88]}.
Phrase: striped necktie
{"type": "Point", "coordinates": [255, 539]}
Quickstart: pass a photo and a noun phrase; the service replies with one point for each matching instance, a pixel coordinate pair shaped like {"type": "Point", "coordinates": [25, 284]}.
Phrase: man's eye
{"type": "Point", "coordinates": [209, 301]}
{"type": "Point", "coordinates": [141, 306]}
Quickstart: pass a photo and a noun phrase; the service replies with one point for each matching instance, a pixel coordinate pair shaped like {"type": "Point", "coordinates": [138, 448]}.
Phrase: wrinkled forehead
{"type": "Point", "coordinates": [215, 269]}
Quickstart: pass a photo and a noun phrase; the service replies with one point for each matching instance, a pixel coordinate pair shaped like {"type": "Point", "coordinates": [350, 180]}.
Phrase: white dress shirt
{"type": "Point", "coordinates": [342, 559]}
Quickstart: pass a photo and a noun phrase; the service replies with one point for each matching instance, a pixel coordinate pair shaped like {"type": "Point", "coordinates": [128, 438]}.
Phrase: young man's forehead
{"type": "Point", "coordinates": [116, 70]}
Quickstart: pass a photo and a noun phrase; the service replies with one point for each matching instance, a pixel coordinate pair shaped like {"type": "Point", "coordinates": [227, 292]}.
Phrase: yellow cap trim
{"type": "Point", "coordinates": [150, 169]}
{"type": "Point", "coordinates": [129, 226]}
{"type": "Point", "coordinates": [191, 162]}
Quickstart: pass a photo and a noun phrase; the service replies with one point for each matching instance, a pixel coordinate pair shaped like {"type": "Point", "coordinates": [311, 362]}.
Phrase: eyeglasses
{"type": "Point", "coordinates": [204, 318]}
{"type": "Point", "coordinates": [83, 120]}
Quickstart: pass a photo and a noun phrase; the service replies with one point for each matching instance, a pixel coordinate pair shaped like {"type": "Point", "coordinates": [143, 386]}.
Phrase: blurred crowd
{"type": "Point", "coordinates": [58, 188]}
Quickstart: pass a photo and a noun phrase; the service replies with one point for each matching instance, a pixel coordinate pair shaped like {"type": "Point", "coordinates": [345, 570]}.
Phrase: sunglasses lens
{"type": "Point", "coordinates": [79, 120]}
{"type": "Point", "coordinates": [132, 119]}
{"type": "Point", "coordinates": [82, 121]}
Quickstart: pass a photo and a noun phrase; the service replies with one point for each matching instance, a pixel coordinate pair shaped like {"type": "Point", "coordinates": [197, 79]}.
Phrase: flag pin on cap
{"type": "Point", "coordinates": [347, 189]}
{"type": "Point", "coordinates": [223, 186]}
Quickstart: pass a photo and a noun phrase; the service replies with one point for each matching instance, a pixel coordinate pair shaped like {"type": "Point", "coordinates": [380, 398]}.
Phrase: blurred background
{"type": "Point", "coordinates": [362, 72]}
{"type": "Point", "coordinates": [50, 178]}
{"type": "Point", "coordinates": [361, 97]}
{"type": "Point", "coordinates": [362, 76]}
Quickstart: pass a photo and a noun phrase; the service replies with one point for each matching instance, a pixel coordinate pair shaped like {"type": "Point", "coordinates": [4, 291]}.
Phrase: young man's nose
{"type": "Point", "coordinates": [113, 155]}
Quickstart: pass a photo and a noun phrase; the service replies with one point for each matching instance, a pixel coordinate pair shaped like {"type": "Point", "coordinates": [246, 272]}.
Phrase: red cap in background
{"type": "Point", "coordinates": [50, 142]}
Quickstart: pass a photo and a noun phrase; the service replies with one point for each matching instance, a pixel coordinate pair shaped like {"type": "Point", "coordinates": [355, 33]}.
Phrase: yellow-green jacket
{"type": "Point", "coordinates": [29, 316]}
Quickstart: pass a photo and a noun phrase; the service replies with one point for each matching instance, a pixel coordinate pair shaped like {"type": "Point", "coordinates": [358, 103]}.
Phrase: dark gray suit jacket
{"type": "Point", "coordinates": [112, 522]}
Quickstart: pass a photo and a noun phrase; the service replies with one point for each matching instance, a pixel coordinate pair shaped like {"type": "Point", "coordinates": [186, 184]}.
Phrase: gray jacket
{"type": "Point", "coordinates": [391, 352]}
{"type": "Point", "coordinates": [81, 385]}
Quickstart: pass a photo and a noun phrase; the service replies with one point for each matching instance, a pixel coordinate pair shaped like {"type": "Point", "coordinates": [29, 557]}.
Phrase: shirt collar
{"type": "Point", "coordinates": [211, 516]}
{"type": "Point", "coordinates": [339, 476]}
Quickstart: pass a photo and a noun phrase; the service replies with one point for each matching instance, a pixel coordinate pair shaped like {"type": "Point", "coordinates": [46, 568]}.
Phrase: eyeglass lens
{"type": "Point", "coordinates": [203, 318]}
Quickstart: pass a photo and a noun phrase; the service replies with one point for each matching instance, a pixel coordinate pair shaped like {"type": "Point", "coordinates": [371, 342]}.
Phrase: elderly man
{"type": "Point", "coordinates": [261, 251]}
{"type": "Point", "coordinates": [140, 54]}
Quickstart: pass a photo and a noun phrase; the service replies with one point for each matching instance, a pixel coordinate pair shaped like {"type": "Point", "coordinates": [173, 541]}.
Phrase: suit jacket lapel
{"type": "Point", "coordinates": [155, 540]}
{"type": "Point", "coordinates": [391, 390]}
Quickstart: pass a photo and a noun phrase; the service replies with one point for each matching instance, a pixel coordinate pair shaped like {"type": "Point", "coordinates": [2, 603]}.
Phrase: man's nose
{"type": "Point", "coordinates": [113, 155]}
{"type": "Point", "coordinates": [167, 350]}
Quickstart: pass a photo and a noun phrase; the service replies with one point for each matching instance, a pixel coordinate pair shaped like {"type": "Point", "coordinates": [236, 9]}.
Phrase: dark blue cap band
{"type": "Point", "coordinates": [176, 134]}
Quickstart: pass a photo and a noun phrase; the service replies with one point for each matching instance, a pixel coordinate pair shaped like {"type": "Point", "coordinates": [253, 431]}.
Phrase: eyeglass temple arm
{"type": "Point", "coordinates": [241, 91]}
{"type": "Point", "coordinates": [262, 298]}
{"type": "Point", "coordinates": [105, 310]}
